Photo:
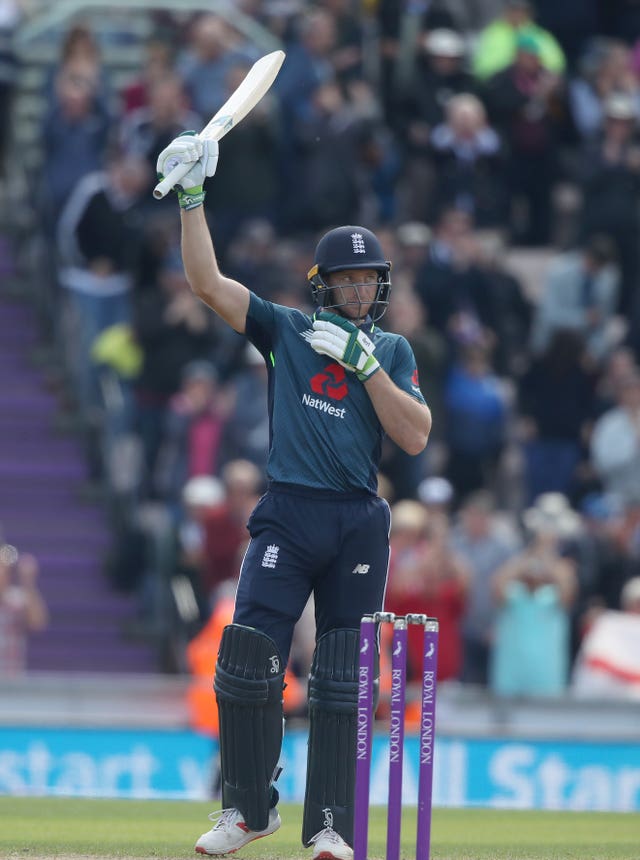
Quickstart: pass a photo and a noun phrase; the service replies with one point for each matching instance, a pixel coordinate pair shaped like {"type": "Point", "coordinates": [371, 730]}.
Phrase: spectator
{"type": "Point", "coordinates": [437, 495]}
{"type": "Point", "coordinates": [535, 591]}
{"type": "Point", "coordinates": [98, 240]}
{"type": "Point", "coordinates": [22, 608]}
{"type": "Point", "coordinates": [10, 15]}
{"type": "Point", "coordinates": [615, 441]}
{"type": "Point", "coordinates": [617, 557]}
{"type": "Point", "coordinates": [200, 495]}
{"type": "Point", "coordinates": [146, 131]}
{"type": "Point", "coordinates": [608, 174]}
{"type": "Point", "coordinates": [225, 526]}
{"type": "Point", "coordinates": [485, 543]}
{"type": "Point", "coordinates": [497, 43]}
{"type": "Point", "coordinates": [247, 430]}
{"type": "Point", "coordinates": [255, 257]}
{"type": "Point", "coordinates": [435, 276]}
{"type": "Point", "coordinates": [581, 294]}
{"type": "Point", "coordinates": [439, 74]}
{"type": "Point", "coordinates": [411, 248]}
{"type": "Point", "coordinates": [605, 71]}
{"type": "Point", "coordinates": [508, 308]}
{"type": "Point", "coordinates": [476, 414]}
{"type": "Point", "coordinates": [525, 104]}
{"type": "Point", "coordinates": [377, 153]}
{"type": "Point", "coordinates": [467, 161]}
{"type": "Point", "coordinates": [311, 43]}
{"type": "Point", "coordinates": [426, 576]}
{"type": "Point", "coordinates": [173, 329]}
{"type": "Point", "coordinates": [158, 64]}
{"type": "Point", "coordinates": [556, 402]}
{"type": "Point", "coordinates": [80, 54]}
{"type": "Point", "coordinates": [193, 432]}
{"type": "Point", "coordinates": [309, 64]}
{"type": "Point", "coordinates": [281, 19]}
{"type": "Point", "coordinates": [75, 132]}
{"type": "Point", "coordinates": [617, 367]}
{"type": "Point", "coordinates": [403, 29]}
{"type": "Point", "coordinates": [329, 184]}
{"type": "Point", "coordinates": [213, 48]}
{"type": "Point", "coordinates": [347, 57]}
{"type": "Point", "coordinates": [603, 560]}
{"type": "Point", "coordinates": [450, 284]}
{"type": "Point", "coordinates": [608, 663]}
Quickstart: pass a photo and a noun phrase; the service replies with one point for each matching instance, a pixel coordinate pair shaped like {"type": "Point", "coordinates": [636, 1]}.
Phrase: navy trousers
{"type": "Point", "coordinates": [306, 540]}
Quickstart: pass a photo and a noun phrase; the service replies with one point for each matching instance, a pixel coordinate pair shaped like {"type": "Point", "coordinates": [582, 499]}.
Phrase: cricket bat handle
{"type": "Point", "coordinates": [174, 176]}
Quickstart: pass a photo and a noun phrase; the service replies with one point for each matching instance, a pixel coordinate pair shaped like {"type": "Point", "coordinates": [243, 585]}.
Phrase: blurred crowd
{"type": "Point", "coordinates": [22, 608]}
{"type": "Point", "coordinates": [458, 132]}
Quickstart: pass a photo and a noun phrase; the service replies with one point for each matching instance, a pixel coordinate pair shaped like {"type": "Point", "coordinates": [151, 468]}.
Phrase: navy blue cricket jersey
{"type": "Point", "coordinates": [324, 431]}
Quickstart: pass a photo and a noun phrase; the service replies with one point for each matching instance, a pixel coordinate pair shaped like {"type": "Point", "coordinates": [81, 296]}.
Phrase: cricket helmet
{"type": "Point", "coordinates": [349, 247]}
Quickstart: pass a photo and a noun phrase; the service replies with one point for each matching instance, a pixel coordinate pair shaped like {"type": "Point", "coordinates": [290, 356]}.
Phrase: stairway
{"type": "Point", "coordinates": [42, 511]}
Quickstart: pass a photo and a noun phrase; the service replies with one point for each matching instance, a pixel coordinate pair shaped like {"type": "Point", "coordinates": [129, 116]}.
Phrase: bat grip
{"type": "Point", "coordinates": [173, 177]}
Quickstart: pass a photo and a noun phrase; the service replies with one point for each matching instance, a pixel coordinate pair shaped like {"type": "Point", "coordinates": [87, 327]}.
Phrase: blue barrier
{"type": "Point", "coordinates": [522, 773]}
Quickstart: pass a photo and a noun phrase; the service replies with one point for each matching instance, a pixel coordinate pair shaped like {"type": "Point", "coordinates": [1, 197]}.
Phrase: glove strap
{"type": "Point", "coordinates": [191, 198]}
{"type": "Point", "coordinates": [371, 367]}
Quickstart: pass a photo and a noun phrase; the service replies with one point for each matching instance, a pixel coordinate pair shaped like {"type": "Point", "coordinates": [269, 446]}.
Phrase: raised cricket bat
{"type": "Point", "coordinates": [258, 80]}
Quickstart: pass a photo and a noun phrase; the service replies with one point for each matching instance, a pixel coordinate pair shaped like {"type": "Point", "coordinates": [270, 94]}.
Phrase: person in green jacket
{"type": "Point", "coordinates": [496, 44]}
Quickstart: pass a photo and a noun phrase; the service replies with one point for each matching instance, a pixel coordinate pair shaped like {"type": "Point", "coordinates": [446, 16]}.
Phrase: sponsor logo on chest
{"type": "Point", "coordinates": [328, 388]}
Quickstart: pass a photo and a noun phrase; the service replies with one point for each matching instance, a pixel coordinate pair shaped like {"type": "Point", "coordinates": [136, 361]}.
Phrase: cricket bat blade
{"type": "Point", "coordinates": [254, 86]}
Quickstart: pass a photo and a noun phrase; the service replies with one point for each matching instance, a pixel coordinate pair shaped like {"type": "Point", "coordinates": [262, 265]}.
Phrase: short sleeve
{"type": "Point", "coordinates": [404, 370]}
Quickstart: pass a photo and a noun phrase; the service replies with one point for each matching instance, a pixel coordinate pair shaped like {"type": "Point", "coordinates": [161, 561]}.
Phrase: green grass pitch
{"type": "Point", "coordinates": [70, 829]}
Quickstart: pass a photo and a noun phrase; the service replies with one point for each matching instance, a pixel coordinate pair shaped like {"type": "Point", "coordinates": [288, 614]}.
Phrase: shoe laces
{"type": "Point", "coordinates": [329, 834]}
{"type": "Point", "coordinates": [224, 819]}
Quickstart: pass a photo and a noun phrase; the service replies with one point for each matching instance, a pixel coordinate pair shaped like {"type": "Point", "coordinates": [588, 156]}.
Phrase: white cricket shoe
{"type": "Point", "coordinates": [329, 845]}
{"type": "Point", "coordinates": [230, 833]}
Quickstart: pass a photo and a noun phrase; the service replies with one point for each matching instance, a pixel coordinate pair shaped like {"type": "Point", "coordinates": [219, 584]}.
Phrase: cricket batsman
{"type": "Point", "coordinates": [337, 385]}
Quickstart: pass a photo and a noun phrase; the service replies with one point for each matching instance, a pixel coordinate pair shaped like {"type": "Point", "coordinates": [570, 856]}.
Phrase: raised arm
{"type": "Point", "coordinates": [228, 298]}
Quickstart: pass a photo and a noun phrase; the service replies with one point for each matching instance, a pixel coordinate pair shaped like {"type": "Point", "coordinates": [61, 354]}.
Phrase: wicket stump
{"type": "Point", "coordinates": [366, 683]}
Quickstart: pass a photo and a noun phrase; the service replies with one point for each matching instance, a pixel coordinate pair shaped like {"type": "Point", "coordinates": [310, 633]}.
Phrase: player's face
{"type": "Point", "coordinates": [354, 290]}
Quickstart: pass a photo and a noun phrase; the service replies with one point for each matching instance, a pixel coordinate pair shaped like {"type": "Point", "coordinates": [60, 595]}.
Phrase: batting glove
{"type": "Point", "coordinates": [341, 340]}
{"type": "Point", "coordinates": [190, 149]}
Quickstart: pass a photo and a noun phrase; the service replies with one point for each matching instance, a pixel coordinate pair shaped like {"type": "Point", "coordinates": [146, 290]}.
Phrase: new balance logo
{"type": "Point", "coordinates": [357, 243]}
{"type": "Point", "coordinates": [361, 568]}
{"type": "Point", "coordinates": [270, 556]}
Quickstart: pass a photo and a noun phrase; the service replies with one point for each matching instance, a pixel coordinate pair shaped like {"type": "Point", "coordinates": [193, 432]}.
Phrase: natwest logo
{"type": "Point", "coordinates": [331, 382]}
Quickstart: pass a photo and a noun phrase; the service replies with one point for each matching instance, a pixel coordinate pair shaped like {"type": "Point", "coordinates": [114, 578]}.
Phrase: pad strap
{"type": "Point", "coordinates": [249, 687]}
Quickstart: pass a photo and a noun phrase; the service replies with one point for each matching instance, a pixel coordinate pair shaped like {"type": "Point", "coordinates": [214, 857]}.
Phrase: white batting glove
{"type": "Point", "coordinates": [187, 148]}
{"type": "Point", "coordinates": [341, 340]}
